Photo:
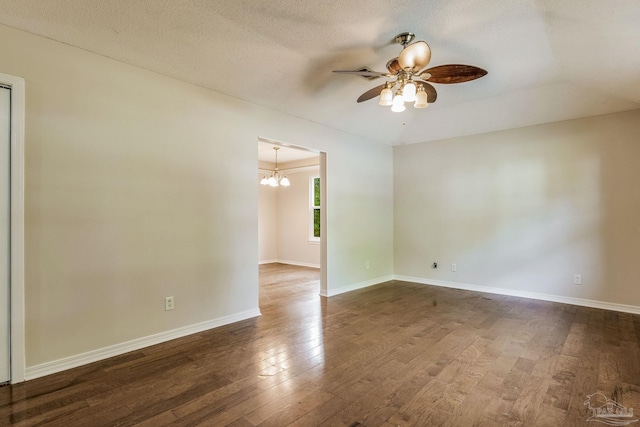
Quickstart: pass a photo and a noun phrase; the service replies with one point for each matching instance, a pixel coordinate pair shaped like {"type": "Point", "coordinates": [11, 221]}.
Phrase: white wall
{"type": "Point", "coordinates": [525, 209]}
{"type": "Point", "coordinates": [139, 186]}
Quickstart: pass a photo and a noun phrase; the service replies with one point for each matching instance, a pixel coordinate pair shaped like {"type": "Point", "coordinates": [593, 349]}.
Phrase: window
{"type": "Point", "coordinates": [314, 209]}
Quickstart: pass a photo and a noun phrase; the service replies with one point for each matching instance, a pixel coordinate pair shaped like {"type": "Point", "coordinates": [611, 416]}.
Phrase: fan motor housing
{"type": "Point", "coordinates": [404, 38]}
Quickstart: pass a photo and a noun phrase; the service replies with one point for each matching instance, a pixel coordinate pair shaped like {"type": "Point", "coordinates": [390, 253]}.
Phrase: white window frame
{"type": "Point", "coordinates": [312, 208]}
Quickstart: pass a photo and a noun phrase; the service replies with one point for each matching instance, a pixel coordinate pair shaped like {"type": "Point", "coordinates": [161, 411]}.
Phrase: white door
{"type": "Point", "coordinates": [5, 227]}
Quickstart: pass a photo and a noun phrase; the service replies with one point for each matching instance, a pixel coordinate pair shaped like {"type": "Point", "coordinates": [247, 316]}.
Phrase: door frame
{"type": "Point", "coordinates": [16, 280]}
{"type": "Point", "coordinates": [323, 205]}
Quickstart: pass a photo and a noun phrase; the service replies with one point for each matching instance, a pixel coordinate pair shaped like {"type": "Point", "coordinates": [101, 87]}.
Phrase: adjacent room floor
{"type": "Point", "coordinates": [393, 354]}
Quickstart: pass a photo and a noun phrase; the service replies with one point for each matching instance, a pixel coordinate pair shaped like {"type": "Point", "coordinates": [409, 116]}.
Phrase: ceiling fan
{"type": "Point", "coordinates": [409, 79]}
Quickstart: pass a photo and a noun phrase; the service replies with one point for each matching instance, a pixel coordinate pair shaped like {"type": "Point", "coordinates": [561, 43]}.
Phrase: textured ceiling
{"type": "Point", "coordinates": [548, 60]}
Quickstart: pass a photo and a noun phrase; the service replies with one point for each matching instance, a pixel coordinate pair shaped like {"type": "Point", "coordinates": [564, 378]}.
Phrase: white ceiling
{"type": "Point", "coordinates": [286, 154]}
{"type": "Point", "coordinates": [548, 60]}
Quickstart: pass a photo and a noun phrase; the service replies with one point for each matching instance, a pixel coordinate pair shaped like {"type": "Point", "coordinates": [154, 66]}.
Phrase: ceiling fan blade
{"type": "Point", "coordinates": [454, 73]}
{"type": "Point", "coordinates": [371, 93]}
{"type": "Point", "coordinates": [368, 74]}
{"type": "Point", "coordinates": [415, 57]}
{"type": "Point", "coordinates": [432, 95]}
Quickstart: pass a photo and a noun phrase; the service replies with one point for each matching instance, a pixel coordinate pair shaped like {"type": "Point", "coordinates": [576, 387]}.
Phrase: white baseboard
{"type": "Point", "coordinates": [299, 264]}
{"type": "Point", "coordinates": [349, 288]}
{"type": "Point", "coordinates": [268, 261]}
{"type": "Point", "coordinates": [525, 294]}
{"type": "Point", "coordinates": [55, 366]}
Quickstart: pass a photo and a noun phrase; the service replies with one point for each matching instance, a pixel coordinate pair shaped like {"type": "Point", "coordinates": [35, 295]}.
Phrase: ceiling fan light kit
{"type": "Point", "coordinates": [276, 178]}
{"type": "Point", "coordinates": [409, 91]}
{"type": "Point", "coordinates": [386, 96]}
{"type": "Point", "coordinates": [398, 102]}
{"type": "Point", "coordinates": [421, 98]}
{"type": "Point", "coordinates": [409, 78]}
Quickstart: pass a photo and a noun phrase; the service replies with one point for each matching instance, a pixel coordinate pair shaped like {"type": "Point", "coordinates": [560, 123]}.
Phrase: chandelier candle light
{"type": "Point", "coordinates": [276, 178]}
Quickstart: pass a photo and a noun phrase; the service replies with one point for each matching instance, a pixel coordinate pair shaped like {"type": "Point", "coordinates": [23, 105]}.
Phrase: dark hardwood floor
{"type": "Point", "coordinates": [395, 354]}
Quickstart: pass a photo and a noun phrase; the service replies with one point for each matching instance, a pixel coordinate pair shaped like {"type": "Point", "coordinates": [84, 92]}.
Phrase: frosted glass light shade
{"type": "Point", "coordinates": [273, 182]}
{"type": "Point", "coordinates": [409, 92]}
{"type": "Point", "coordinates": [265, 181]}
{"type": "Point", "coordinates": [398, 109]}
{"type": "Point", "coordinates": [386, 97]}
{"type": "Point", "coordinates": [285, 181]}
{"type": "Point", "coordinates": [421, 99]}
{"type": "Point", "coordinates": [398, 103]}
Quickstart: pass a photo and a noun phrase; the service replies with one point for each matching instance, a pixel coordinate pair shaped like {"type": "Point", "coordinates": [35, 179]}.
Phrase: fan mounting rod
{"type": "Point", "coordinates": [404, 38]}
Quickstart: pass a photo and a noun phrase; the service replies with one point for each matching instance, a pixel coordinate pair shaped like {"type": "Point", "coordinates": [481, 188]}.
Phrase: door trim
{"type": "Point", "coordinates": [323, 206]}
{"type": "Point", "coordinates": [16, 284]}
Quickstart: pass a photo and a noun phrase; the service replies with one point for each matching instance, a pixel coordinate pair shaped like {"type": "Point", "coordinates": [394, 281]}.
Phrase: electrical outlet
{"type": "Point", "coordinates": [367, 265]}
{"type": "Point", "coordinates": [577, 279]}
{"type": "Point", "coordinates": [434, 265]}
{"type": "Point", "coordinates": [168, 303]}
{"type": "Point", "coordinates": [453, 267]}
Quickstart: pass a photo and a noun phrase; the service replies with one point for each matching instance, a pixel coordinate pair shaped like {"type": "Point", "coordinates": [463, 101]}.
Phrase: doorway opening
{"type": "Point", "coordinates": [291, 218]}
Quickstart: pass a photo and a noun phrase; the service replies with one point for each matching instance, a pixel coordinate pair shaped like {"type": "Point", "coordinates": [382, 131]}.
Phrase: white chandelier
{"type": "Point", "coordinates": [276, 178]}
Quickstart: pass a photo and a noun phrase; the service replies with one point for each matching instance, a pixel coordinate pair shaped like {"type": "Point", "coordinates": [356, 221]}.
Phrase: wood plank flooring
{"type": "Point", "coordinates": [396, 354]}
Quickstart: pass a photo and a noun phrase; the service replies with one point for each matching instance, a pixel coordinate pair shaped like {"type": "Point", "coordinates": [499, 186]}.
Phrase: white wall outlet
{"type": "Point", "coordinates": [367, 265]}
{"type": "Point", "coordinates": [168, 303]}
{"type": "Point", "coordinates": [577, 279]}
{"type": "Point", "coordinates": [453, 267]}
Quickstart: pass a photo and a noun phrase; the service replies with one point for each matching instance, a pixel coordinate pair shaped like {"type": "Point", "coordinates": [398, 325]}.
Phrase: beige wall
{"type": "Point", "coordinates": [267, 225]}
{"type": "Point", "coordinates": [293, 222]}
{"type": "Point", "coordinates": [525, 209]}
{"type": "Point", "coordinates": [284, 222]}
{"type": "Point", "coordinates": [139, 186]}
